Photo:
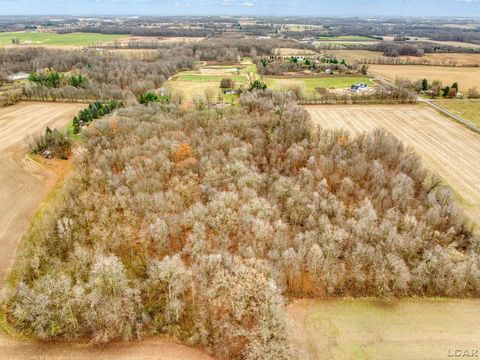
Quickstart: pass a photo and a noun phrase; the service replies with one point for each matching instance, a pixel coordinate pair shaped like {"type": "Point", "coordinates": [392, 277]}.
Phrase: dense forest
{"type": "Point", "coordinates": [199, 224]}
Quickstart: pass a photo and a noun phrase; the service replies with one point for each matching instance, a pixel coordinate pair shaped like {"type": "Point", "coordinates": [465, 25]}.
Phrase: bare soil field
{"type": "Point", "coordinates": [448, 58]}
{"type": "Point", "coordinates": [432, 59]}
{"type": "Point", "coordinates": [24, 182]}
{"type": "Point", "coordinates": [447, 148]}
{"type": "Point", "coordinates": [293, 52]}
{"type": "Point", "coordinates": [467, 78]}
{"type": "Point", "coordinates": [354, 55]}
{"type": "Point", "coordinates": [448, 43]}
{"type": "Point", "coordinates": [420, 329]}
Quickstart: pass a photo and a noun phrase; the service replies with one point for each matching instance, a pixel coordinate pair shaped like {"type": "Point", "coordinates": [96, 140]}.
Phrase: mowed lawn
{"type": "Point", "coordinates": [311, 83]}
{"type": "Point", "coordinates": [420, 329]}
{"type": "Point", "coordinates": [469, 109]}
{"type": "Point", "coordinates": [54, 39]}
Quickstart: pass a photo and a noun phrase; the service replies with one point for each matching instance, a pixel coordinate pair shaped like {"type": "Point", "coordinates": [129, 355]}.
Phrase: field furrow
{"type": "Point", "coordinates": [447, 148]}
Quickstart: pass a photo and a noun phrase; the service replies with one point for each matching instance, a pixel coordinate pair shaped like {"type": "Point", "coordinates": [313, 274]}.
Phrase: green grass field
{"type": "Point", "coordinates": [210, 78]}
{"type": "Point", "coordinates": [371, 329]}
{"type": "Point", "coordinates": [54, 39]}
{"type": "Point", "coordinates": [346, 38]}
{"type": "Point", "coordinates": [310, 83]}
{"type": "Point", "coordinates": [469, 109]}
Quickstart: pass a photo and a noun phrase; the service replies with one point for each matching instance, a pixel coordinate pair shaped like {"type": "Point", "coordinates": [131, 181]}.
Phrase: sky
{"type": "Point", "coordinates": [469, 8]}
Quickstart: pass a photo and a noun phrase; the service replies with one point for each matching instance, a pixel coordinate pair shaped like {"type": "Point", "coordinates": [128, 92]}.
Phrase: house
{"type": "Point", "coordinates": [231, 92]}
{"type": "Point", "coordinates": [360, 87]}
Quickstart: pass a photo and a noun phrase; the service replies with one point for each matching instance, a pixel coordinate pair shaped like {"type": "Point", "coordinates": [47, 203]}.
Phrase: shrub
{"type": "Point", "coordinates": [53, 143]}
{"type": "Point", "coordinates": [227, 83]}
{"type": "Point", "coordinates": [151, 97]}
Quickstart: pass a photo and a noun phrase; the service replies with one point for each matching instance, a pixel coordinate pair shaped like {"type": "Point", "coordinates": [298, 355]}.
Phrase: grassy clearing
{"type": "Point", "coordinates": [383, 329]}
{"type": "Point", "coordinates": [209, 78]}
{"type": "Point", "coordinates": [310, 83]}
{"type": "Point", "coordinates": [469, 109]}
{"type": "Point", "coordinates": [192, 89]}
{"type": "Point", "coordinates": [54, 39]}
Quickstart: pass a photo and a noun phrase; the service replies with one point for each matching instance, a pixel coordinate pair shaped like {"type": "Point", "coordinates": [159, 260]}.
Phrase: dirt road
{"type": "Point", "coordinates": [149, 349]}
{"type": "Point", "coordinates": [446, 147]}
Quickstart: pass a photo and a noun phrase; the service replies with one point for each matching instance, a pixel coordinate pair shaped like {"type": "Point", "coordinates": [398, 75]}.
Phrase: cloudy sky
{"type": "Point", "coordinates": [243, 7]}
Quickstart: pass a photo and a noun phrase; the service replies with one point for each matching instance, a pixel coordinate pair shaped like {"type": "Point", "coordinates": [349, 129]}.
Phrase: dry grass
{"type": "Point", "coordinates": [191, 89]}
{"type": "Point", "coordinates": [433, 59]}
{"type": "Point", "coordinates": [469, 109]}
{"type": "Point", "coordinates": [446, 147]}
{"type": "Point", "coordinates": [293, 52]}
{"type": "Point", "coordinates": [383, 329]}
{"type": "Point", "coordinates": [447, 43]}
{"type": "Point", "coordinates": [354, 55]}
{"type": "Point", "coordinates": [466, 77]}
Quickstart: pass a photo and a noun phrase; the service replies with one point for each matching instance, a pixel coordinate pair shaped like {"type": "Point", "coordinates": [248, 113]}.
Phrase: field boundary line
{"type": "Point", "coordinates": [451, 115]}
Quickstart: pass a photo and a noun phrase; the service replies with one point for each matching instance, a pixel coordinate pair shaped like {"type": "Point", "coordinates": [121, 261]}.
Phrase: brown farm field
{"type": "Point", "coordinates": [24, 181]}
{"type": "Point", "coordinates": [447, 148]}
{"type": "Point", "coordinates": [294, 52]}
{"type": "Point", "coordinates": [432, 59]}
{"type": "Point", "coordinates": [159, 348]}
{"type": "Point", "coordinates": [467, 78]}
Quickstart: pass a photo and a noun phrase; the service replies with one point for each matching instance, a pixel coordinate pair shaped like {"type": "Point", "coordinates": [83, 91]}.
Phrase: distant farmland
{"type": "Point", "coordinates": [446, 147]}
{"type": "Point", "coordinates": [432, 59]}
{"type": "Point", "coordinates": [54, 39]}
{"type": "Point", "coordinates": [467, 78]}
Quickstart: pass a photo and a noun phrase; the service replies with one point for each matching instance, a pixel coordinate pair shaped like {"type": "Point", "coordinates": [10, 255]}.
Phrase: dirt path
{"type": "Point", "coordinates": [149, 349]}
{"type": "Point", "coordinates": [446, 147]}
{"type": "Point", "coordinates": [24, 183]}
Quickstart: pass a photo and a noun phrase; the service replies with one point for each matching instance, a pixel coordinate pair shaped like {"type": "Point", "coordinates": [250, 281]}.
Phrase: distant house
{"type": "Point", "coordinates": [360, 87]}
{"type": "Point", "coordinates": [231, 92]}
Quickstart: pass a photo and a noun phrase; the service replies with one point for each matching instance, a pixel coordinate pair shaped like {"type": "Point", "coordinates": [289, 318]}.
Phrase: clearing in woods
{"type": "Point", "coordinates": [427, 329]}
{"type": "Point", "coordinates": [446, 147]}
{"type": "Point", "coordinates": [207, 78]}
{"type": "Point", "coordinates": [467, 78]}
